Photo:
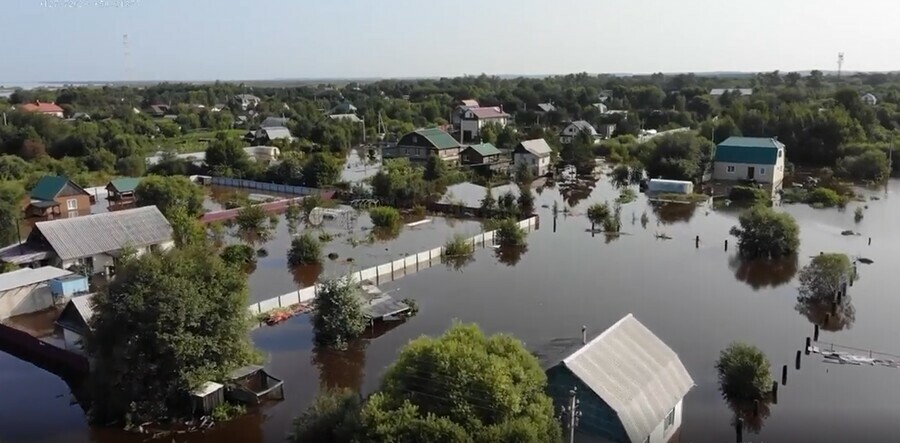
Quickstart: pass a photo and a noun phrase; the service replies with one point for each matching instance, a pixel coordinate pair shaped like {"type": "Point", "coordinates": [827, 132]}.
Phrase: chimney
{"type": "Point", "coordinates": [583, 335]}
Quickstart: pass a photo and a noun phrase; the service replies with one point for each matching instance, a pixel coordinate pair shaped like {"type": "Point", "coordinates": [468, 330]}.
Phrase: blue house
{"type": "Point", "coordinates": [628, 383]}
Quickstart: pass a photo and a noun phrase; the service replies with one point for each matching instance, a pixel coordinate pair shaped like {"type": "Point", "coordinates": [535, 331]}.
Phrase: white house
{"type": "Point", "coordinates": [475, 118]}
{"type": "Point", "coordinates": [461, 107]}
{"type": "Point", "coordinates": [93, 241]}
{"type": "Point", "coordinates": [630, 386]}
{"type": "Point", "coordinates": [27, 290]}
{"type": "Point", "coordinates": [573, 129]}
{"type": "Point", "coordinates": [750, 158]}
{"type": "Point", "coordinates": [247, 101]}
{"type": "Point", "coordinates": [534, 154]}
{"type": "Point", "coordinates": [869, 99]}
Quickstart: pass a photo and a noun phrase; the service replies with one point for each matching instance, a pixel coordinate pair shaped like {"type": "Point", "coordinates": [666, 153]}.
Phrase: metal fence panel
{"type": "Point", "coordinates": [368, 274]}
{"type": "Point", "coordinates": [289, 299]}
{"type": "Point", "coordinates": [268, 305]}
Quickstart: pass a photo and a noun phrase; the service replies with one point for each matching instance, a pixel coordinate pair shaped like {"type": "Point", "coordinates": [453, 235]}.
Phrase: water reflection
{"type": "Point", "coordinates": [341, 368]}
{"type": "Point", "coordinates": [669, 213]}
{"type": "Point", "coordinates": [762, 273]}
{"type": "Point", "coordinates": [458, 262]}
{"type": "Point", "coordinates": [752, 414]}
{"type": "Point", "coordinates": [510, 255]}
{"type": "Point", "coordinates": [575, 192]}
{"type": "Point", "coordinates": [385, 234]}
{"type": "Point", "coordinates": [306, 275]}
{"type": "Point", "coordinates": [830, 316]}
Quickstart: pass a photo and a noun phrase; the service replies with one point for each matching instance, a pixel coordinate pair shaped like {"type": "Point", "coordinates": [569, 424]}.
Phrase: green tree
{"type": "Point", "coordinates": [442, 384]}
{"type": "Point", "coordinates": [253, 224]}
{"type": "Point", "coordinates": [305, 250]}
{"type": "Point", "coordinates": [525, 201]}
{"type": "Point", "coordinates": [322, 170]}
{"type": "Point", "coordinates": [400, 183]}
{"type": "Point", "coordinates": [225, 155]}
{"type": "Point", "coordinates": [524, 174]}
{"type": "Point", "coordinates": [677, 156]}
{"type": "Point", "coordinates": [825, 197]}
{"type": "Point", "coordinates": [168, 323]}
{"type": "Point", "coordinates": [823, 276]}
{"type": "Point", "coordinates": [13, 168]}
{"type": "Point", "coordinates": [488, 203]}
{"type": "Point", "coordinates": [168, 193]}
{"type": "Point", "coordinates": [743, 373]}
{"type": "Point", "coordinates": [597, 213]}
{"type": "Point", "coordinates": [766, 233]}
{"type": "Point", "coordinates": [332, 418]}
{"type": "Point", "coordinates": [338, 315]}
{"type": "Point", "coordinates": [435, 168]}
{"type": "Point", "coordinates": [384, 217]}
{"type": "Point", "coordinates": [186, 230]}
{"type": "Point", "coordinates": [239, 255]}
{"type": "Point", "coordinates": [131, 166]}
{"type": "Point", "coordinates": [11, 195]}
{"type": "Point", "coordinates": [508, 233]}
{"type": "Point", "coordinates": [870, 165]}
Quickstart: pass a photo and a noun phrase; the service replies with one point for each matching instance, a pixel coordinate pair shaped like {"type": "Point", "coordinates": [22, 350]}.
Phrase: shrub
{"type": "Point", "coordinates": [227, 411]}
{"type": "Point", "coordinates": [626, 196]}
{"type": "Point", "coordinates": [239, 255]}
{"type": "Point", "coordinates": [418, 211]}
{"type": "Point", "coordinates": [766, 233]}
{"type": "Point", "coordinates": [858, 214]}
{"type": "Point", "coordinates": [458, 246]}
{"type": "Point", "coordinates": [509, 233]}
{"type": "Point", "coordinates": [304, 250]}
{"type": "Point", "coordinates": [384, 217]}
{"type": "Point", "coordinates": [748, 194]}
{"type": "Point", "coordinates": [823, 276]}
{"type": "Point", "coordinates": [598, 213]}
{"type": "Point", "coordinates": [338, 315]}
{"type": "Point", "coordinates": [825, 197]}
{"type": "Point", "coordinates": [743, 373]}
{"type": "Point", "coordinates": [870, 165]}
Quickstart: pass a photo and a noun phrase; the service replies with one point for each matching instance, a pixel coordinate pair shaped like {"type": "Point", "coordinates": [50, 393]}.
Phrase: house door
{"type": "Point", "coordinates": [751, 172]}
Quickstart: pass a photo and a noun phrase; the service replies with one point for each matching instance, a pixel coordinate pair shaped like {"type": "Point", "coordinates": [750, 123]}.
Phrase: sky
{"type": "Point", "coordinates": [82, 40]}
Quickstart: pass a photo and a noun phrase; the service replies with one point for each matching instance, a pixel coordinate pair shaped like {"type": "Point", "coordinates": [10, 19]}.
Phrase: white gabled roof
{"type": "Point", "coordinates": [634, 372]}
{"type": "Point", "coordinates": [537, 147]}
{"type": "Point", "coordinates": [27, 277]}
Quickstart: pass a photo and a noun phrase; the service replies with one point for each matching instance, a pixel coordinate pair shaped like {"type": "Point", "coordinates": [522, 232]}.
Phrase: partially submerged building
{"type": "Point", "coordinates": [75, 322]}
{"type": "Point", "coordinates": [750, 160]}
{"type": "Point", "coordinates": [92, 243]}
{"type": "Point", "coordinates": [629, 384]}
{"type": "Point", "coordinates": [27, 290]}
{"type": "Point", "coordinates": [534, 154]}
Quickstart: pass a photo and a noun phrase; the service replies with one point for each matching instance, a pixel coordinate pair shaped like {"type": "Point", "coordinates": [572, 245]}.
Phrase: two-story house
{"type": "Point", "coordinates": [55, 197]}
{"type": "Point", "coordinates": [418, 145]}
{"type": "Point", "coordinates": [629, 385]}
{"type": "Point", "coordinates": [484, 157]}
{"type": "Point", "coordinates": [476, 118]}
{"type": "Point", "coordinates": [757, 159]}
{"type": "Point", "coordinates": [461, 107]}
{"type": "Point", "coordinates": [247, 101]}
{"type": "Point", "coordinates": [534, 154]}
{"type": "Point", "coordinates": [568, 134]}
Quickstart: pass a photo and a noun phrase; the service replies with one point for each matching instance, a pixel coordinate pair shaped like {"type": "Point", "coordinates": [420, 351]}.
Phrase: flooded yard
{"type": "Point", "coordinates": [696, 299]}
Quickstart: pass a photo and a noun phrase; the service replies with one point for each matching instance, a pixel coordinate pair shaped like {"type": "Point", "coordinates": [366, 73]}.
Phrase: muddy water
{"type": "Point", "coordinates": [696, 299]}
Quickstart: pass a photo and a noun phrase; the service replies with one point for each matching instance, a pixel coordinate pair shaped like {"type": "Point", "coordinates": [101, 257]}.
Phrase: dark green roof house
{"type": "Point", "coordinates": [122, 188]}
{"type": "Point", "coordinates": [418, 145]}
{"type": "Point", "coordinates": [53, 195]}
{"type": "Point", "coordinates": [751, 159]}
{"type": "Point", "coordinates": [484, 155]}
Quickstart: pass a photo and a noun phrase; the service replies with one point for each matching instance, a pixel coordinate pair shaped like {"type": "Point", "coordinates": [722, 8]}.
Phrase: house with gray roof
{"type": "Point", "coordinates": [568, 134]}
{"type": "Point", "coordinates": [270, 134]}
{"type": "Point", "coordinates": [352, 118]}
{"type": "Point", "coordinates": [420, 144]}
{"type": "Point", "coordinates": [629, 385]}
{"type": "Point", "coordinates": [534, 154]}
{"type": "Point", "coordinates": [274, 122]}
{"type": "Point", "coordinates": [93, 242]}
{"type": "Point", "coordinates": [247, 101]}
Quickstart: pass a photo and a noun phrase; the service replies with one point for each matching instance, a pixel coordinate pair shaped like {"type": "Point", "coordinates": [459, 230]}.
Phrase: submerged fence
{"type": "Point", "coordinates": [387, 272]}
{"type": "Point", "coordinates": [261, 186]}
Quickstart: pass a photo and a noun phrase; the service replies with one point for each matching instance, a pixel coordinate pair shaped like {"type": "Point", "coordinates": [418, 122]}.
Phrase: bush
{"type": "Point", "coordinates": [626, 196]}
{"type": "Point", "coordinates": [823, 276]}
{"type": "Point", "coordinates": [870, 165]}
{"type": "Point", "coordinates": [748, 194]}
{"type": "Point", "coordinates": [331, 418]}
{"type": "Point", "coordinates": [384, 217]}
{"type": "Point", "coordinates": [458, 246]}
{"type": "Point", "coordinates": [305, 250]}
{"type": "Point", "coordinates": [227, 411]}
{"type": "Point", "coordinates": [509, 233]}
{"type": "Point", "coordinates": [338, 315]}
{"type": "Point", "coordinates": [858, 214]}
{"type": "Point", "coordinates": [239, 255]}
{"type": "Point", "coordinates": [767, 233]}
{"type": "Point", "coordinates": [825, 197]}
{"type": "Point", "coordinates": [743, 373]}
{"type": "Point", "coordinates": [598, 213]}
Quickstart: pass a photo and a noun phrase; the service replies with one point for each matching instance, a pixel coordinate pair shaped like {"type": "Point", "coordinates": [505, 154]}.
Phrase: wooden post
{"type": "Point", "coordinates": [775, 392]}
{"type": "Point", "coordinates": [784, 375]}
{"type": "Point", "coordinates": [806, 350]}
{"type": "Point", "coordinates": [592, 229]}
{"type": "Point", "coordinates": [739, 429]}
{"type": "Point", "coordinates": [755, 408]}
{"type": "Point", "coordinates": [726, 245]}
{"type": "Point", "coordinates": [417, 262]}
{"type": "Point", "coordinates": [483, 242]}
{"type": "Point", "coordinates": [870, 241]}
{"type": "Point", "coordinates": [377, 276]}
{"type": "Point", "coordinates": [697, 242]}
{"type": "Point", "coordinates": [797, 364]}
{"type": "Point", "coordinates": [392, 270]}
{"type": "Point", "coordinates": [816, 333]}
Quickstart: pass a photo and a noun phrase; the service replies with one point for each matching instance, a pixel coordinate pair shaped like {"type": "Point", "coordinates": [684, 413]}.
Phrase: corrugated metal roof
{"type": "Point", "coordinates": [546, 107]}
{"type": "Point", "coordinates": [350, 117]}
{"type": "Point", "coordinates": [438, 138]}
{"type": "Point", "coordinates": [125, 184]}
{"type": "Point", "coordinates": [582, 125]}
{"type": "Point", "coordinates": [489, 112]}
{"type": "Point", "coordinates": [82, 304]}
{"type": "Point", "coordinates": [273, 122]}
{"type": "Point", "coordinates": [28, 276]}
{"type": "Point", "coordinates": [485, 149]}
{"type": "Point", "coordinates": [48, 186]}
{"type": "Point", "coordinates": [634, 372]}
{"type": "Point", "coordinates": [538, 147]}
{"type": "Point", "coordinates": [743, 91]}
{"type": "Point", "coordinates": [754, 150]}
{"type": "Point", "coordinates": [469, 103]}
{"type": "Point", "coordinates": [90, 235]}
{"type": "Point", "coordinates": [276, 132]}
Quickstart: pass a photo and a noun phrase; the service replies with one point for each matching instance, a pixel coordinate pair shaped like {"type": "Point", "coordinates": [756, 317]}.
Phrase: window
{"type": "Point", "coordinates": [780, 152]}
{"type": "Point", "coordinates": [730, 169]}
{"type": "Point", "coordinates": [670, 419]}
{"type": "Point", "coordinates": [762, 171]}
{"type": "Point", "coordinates": [71, 204]}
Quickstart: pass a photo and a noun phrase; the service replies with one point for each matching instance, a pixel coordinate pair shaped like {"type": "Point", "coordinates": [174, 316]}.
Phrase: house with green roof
{"type": "Point", "coordinates": [121, 190]}
{"type": "Point", "coordinates": [484, 157]}
{"type": "Point", "coordinates": [751, 159]}
{"type": "Point", "coordinates": [420, 144]}
{"type": "Point", "coordinates": [54, 196]}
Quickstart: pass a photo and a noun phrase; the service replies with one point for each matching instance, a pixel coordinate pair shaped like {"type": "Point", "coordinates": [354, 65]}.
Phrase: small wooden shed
{"type": "Point", "coordinates": [252, 385]}
{"type": "Point", "coordinates": [205, 398]}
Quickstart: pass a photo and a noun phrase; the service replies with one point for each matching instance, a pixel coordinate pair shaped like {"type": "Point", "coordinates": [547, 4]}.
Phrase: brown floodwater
{"type": "Point", "coordinates": [697, 300]}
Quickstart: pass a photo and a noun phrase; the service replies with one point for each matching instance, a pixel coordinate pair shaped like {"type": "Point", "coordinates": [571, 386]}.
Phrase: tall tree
{"type": "Point", "coordinates": [226, 156]}
{"type": "Point", "coordinates": [168, 323]}
{"type": "Point", "coordinates": [168, 193]}
{"type": "Point", "coordinates": [338, 314]}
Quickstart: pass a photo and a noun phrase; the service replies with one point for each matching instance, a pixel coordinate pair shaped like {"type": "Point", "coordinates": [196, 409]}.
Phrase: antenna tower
{"type": "Point", "coordinates": [127, 57]}
{"type": "Point", "coordinates": [840, 63]}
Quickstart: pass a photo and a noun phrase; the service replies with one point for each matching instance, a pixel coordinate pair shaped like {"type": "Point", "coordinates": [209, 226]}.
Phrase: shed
{"type": "Point", "coordinates": [663, 186]}
{"type": "Point", "coordinates": [69, 286]}
{"type": "Point", "coordinates": [629, 383]}
{"type": "Point", "coordinates": [27, 290]}
{"type": "Point", "coordinates": [252, 385]}
{"type": "Point", "coordinates": [122, 188]}
{"type": "Point", "coordinates": [205, 398]}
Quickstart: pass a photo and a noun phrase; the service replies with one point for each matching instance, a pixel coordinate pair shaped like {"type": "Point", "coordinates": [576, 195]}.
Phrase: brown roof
{"type": "Point", "coordinates": [490, 112]}
{"type": "Point", "coordinates": [44, 108]}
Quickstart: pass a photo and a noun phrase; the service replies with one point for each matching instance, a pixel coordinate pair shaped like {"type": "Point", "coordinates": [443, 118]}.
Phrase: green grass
{"type": "Point", "coordinates": [196, 141]}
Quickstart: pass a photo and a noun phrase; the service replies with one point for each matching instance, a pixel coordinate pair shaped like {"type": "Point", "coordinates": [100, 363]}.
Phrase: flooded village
{"type": "Point", "coordinates": [572, 258]}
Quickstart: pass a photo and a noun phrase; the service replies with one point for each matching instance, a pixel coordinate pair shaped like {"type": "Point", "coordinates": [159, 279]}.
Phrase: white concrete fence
{"type": "Point", "coordinates": [383, 273]}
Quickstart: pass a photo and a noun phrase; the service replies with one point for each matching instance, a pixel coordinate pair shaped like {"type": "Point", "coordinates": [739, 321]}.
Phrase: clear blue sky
{"type": "Point", "coordinates": [264, 39]}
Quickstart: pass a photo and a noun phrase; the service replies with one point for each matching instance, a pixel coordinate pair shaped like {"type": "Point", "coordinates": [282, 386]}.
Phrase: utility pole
{"type": "Point", "coordinates": [840, 64]}
{"type": "Point", "coordinates": [572, 413]}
